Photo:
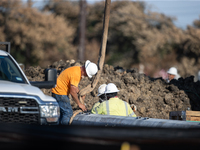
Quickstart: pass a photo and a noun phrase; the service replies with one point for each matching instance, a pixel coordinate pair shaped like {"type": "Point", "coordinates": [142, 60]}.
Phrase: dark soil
{"type": "Point", "coordinates": [154, 98]}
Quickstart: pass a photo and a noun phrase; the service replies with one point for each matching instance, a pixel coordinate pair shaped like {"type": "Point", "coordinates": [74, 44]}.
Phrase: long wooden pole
{"type": "Point", "coordinates": [102, 51]}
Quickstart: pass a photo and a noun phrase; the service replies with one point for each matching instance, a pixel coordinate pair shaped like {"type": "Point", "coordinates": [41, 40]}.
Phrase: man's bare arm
{"type": "Point", "coordinates": [74, 92]}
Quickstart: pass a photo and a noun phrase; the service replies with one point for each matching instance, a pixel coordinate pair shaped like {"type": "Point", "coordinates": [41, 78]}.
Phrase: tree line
{"type": "Point", "coordinates": [136, 35]}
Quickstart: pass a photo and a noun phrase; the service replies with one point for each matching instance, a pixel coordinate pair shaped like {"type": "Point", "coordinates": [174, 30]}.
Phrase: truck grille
{"type": "Point", "coordinates": [19, 110]}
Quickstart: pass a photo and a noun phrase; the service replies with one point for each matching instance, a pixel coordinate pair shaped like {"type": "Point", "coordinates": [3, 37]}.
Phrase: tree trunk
{"type": "Point", "coordinates": [82, 26]}
{"type": "Point", "coordinates": [102, 51]}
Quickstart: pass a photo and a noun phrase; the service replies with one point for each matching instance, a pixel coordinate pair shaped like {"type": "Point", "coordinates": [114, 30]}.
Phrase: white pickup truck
{"type": "Point", "coordinates": [20, 100]}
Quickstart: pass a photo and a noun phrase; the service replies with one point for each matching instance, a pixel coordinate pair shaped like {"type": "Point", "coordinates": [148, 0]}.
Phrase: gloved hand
{"type": "Point", "coordinates": [134, 107]}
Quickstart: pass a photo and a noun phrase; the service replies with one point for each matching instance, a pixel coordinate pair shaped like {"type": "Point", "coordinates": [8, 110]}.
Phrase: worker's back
{"type": "Point", "coordinates": [115, 106]}
{"type": "Point", "coordinates": [70, 76]}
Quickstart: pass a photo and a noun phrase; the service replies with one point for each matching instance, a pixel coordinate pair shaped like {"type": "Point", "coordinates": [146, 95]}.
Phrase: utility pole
{"type": "Point", "coordinates": [28, 48]}
{"type": "Point", "coordinates": [29, 2]}
{"type": "Point", "coordinates": [102, 51]}
{"type": "Point", "coordinates": [82, 28]}
{"type": "Point", "coordinates": [102, 54]}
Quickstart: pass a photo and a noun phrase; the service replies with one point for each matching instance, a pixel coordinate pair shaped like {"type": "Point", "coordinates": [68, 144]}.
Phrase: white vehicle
{"type": "Point", "coordinates": [20, 100]}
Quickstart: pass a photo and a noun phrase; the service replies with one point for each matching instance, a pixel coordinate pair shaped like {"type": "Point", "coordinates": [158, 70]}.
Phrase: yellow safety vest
{"type": "Point", "coordinates": [114, 106]}
{"type": "Point", "coordinates": [94, 107]}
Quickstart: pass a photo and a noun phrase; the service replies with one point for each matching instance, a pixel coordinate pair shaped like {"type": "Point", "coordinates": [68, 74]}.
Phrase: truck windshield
{"type": "Point", "coordinates": [9, 70]}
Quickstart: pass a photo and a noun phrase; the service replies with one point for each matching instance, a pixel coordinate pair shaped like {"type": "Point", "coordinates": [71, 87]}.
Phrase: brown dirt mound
{"type": "Point", "coordinates": [154, 98]}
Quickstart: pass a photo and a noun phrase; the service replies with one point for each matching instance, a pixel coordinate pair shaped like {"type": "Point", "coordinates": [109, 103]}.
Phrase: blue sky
{"type": "Point", "coordinates": [185, 11]}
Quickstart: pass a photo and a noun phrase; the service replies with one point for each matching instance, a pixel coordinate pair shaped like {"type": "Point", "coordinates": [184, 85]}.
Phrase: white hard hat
{"type": "Point", "coordinates": [172, 71]}
{"type": "Point", "coordinates": [111, 88]}
{"type": "Point", "coordinates": [91, 68]}
{"type": "Point", "coordinates": [101, 89]}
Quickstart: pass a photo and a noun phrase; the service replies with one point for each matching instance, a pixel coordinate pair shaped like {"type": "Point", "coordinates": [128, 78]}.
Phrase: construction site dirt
{"type": "Point", "coordinates": [154, 97]}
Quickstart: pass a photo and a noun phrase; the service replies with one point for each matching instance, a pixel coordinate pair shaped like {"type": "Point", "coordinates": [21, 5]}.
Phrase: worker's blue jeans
{"type": "Point", "coordinates": [66, 111]}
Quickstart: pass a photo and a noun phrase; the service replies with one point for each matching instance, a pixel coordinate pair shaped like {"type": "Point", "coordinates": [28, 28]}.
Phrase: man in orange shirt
{"type": "Point", "coordinates": [67, 83]}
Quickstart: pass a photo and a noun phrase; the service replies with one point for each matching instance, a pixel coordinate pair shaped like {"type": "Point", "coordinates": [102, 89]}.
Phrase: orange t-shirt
{"type": "Point", "coordinates": [69, 76]}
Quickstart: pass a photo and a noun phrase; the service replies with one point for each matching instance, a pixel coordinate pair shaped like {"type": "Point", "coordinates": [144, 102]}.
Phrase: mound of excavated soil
{"type": "Point", "coordinates": [154, 98]}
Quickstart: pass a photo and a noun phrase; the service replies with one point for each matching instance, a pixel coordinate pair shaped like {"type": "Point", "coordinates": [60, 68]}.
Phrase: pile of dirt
{"type": "Point", "coordinates": [154, 98]}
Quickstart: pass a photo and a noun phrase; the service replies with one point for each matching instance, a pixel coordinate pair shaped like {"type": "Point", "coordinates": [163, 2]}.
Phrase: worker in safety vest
{"type": "Point", "coordinates": [67, 83]}
{"type": "Point", "coordinates": [113, 105]}
{"type": "Point", "coordinates": [102, 97]}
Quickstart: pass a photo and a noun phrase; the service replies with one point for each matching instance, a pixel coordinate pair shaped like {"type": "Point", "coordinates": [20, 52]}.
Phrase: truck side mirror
{"type": "Point", "coordinates": [50, 79]}
{"type": "Point", "coordinates": [51, 75]}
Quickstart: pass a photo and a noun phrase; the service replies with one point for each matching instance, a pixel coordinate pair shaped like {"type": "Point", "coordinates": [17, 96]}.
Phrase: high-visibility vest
{"type": "Point", "coordinates": [115, 106]}
{"type": "Point", "coordinates": [94, 107]}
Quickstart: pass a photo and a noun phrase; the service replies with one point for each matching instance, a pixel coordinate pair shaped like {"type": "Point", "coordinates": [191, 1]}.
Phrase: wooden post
{"type": "Point", "coordinates": [102, 51]}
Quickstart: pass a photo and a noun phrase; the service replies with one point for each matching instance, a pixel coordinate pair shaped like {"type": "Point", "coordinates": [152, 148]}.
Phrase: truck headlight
{"type": "Point", "coordinates": [50, 112]}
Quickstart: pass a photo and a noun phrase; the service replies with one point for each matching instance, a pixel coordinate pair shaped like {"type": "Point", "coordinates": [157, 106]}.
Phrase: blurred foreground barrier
{"type": "Point", "coordinates": [23, 136]}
